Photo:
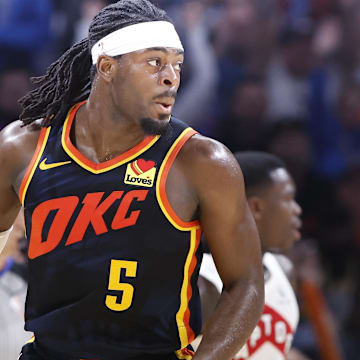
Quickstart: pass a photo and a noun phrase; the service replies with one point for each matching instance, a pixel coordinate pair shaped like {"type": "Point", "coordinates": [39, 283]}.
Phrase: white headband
{"type": "Point", "coordinates": [137, 37]}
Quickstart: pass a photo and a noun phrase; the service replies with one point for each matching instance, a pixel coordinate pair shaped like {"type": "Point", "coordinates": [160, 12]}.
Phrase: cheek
{"type": "Point", "coordinates": [278, 218]}
{"type": "Point", "coordinates": [138, 82]}
{"type": "Point", "coordinates": [272, 221]}
{"type": "Point", "coordinates": [129, 95]}
{"type": "Point", "coordinates": [145, 89]}
{"type": "Point", "coordinates": [285, 210]}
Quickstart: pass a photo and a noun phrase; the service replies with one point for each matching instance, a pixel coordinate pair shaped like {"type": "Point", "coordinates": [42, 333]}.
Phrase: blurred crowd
{"type": "Point", "coordinates": [275, 75]}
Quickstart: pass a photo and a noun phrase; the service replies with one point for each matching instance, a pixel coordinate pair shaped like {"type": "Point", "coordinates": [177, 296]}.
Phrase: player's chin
{"type": "Point", "coordinates": [163, 117]}
{"type": "Point", "coordinates": [292, 238]}
{"type": "Point", "coordinates": [296, 234]}
{"type": "Point", "coordinates": [153, 126]}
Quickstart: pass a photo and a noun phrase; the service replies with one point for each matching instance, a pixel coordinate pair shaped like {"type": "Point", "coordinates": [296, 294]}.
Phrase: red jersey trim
{"type": "Point", "coordinates": [98, 168]}
{"type": "Point", "coordinates": [161, 183]}
{"type": "Point", "coordinates": [186, 333]}
{"type": "Point", "coordinates": [184, 354]}
{"type": "Point", "coordinates": [44, 135]}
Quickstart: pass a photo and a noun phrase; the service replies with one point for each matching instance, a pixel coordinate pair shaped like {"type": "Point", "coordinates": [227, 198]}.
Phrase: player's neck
{"type": "Point", "coordinates": [101, 134]}
{"type": "Point", "coordinates": [103, 115]}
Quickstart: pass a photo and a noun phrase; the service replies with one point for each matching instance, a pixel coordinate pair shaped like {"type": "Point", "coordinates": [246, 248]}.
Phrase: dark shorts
{"type": "Point", "coordinates": [34, 351]}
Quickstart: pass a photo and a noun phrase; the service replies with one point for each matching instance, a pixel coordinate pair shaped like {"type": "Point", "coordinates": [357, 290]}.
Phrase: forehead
{"type": "Point", "coordinates": [282, 181]}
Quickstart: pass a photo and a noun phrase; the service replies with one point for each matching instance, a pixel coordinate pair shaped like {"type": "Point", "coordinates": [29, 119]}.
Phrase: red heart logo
{"type": "Point", "coordinates": [144, 165]}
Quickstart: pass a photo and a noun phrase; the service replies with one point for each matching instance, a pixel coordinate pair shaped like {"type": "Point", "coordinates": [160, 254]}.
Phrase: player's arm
{"type": "Point", "coordinates": [16, 147]}
{"type": "Point", "coordinates": [209, 296]}
{"type": "Point", "coordinates": [234, 243]}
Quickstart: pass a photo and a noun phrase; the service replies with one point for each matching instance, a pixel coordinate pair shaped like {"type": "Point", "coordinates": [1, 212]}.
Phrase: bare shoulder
{"type": "Point", "coordinates": [205, 148]}
{"type": "Point", "coordinates": [16, 135]}
{"type": "Point", "coordinates": [203, 170]}
{"type": "Point", "coordinates": [205, 156]}
{"type": "Point", "coordinates": [17, 146]}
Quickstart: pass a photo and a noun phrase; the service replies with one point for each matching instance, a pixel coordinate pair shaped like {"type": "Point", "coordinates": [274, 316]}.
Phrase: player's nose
{"type": "Point", "coordinates": [169, 76]}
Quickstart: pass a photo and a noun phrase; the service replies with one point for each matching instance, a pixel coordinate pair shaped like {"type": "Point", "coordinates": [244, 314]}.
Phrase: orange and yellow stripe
{"type": "Point", "coordinates": [98, 168]}
{"type": "Point", "coordinates": [32, 339]}
{"type": "Point", "coordinates": [44, 135]}
{"type": "Point", "coordinates": [186, 334]}
{"type": "Point", "coordinates": [184, 354]}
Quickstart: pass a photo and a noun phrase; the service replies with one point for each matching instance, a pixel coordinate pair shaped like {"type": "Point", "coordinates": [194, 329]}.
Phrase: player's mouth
{"type": "Point", "coordinates": [296, 226]}
{"type": "Point", "coordinates": [165, 104]}
{"type": "Point", "coordinates": [164, 107]}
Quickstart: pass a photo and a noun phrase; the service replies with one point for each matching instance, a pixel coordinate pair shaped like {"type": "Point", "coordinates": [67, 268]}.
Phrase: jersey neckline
{"type": "Point", "coordinates": [91, 166]}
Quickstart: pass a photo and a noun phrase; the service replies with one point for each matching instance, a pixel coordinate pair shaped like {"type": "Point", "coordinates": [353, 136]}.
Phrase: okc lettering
{"type": "Point", "coordinates": [136, 180]}
{"type": "Point", "coordinates": [91, 212]}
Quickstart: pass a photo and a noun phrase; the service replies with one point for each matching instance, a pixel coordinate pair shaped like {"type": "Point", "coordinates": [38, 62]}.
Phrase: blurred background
{"type": "Point", "coordinates": [275, 75]}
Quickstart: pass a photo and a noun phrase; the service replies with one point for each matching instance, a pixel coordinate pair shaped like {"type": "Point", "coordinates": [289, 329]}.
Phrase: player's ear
{"type": "Point", "coordinates": [257, 206]}
{"type": "Point", "coordinates": [106, 67]}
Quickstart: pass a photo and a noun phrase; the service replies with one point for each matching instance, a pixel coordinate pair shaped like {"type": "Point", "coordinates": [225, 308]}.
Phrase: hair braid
{"type": "Point", "coordinates": [68, 79]}
{"type": "Point", "coordinates": [65, 79]}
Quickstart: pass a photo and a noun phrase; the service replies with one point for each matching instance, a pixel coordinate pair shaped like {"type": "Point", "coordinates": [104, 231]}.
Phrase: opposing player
{"type": "Point", "coordinates": [116, 193]}
{"type": "Point", "coordinates": [270, 191]}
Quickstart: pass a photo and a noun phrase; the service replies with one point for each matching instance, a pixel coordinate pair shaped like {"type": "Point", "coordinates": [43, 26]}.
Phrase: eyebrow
{"type": "Point", "coordinates": [165, 50]}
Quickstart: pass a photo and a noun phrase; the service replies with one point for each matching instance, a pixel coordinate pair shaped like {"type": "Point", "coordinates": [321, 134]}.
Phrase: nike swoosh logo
{"type": "Point", "coordinates": [44, 166]}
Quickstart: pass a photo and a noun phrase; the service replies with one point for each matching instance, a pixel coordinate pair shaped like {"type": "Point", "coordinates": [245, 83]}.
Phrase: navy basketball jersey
{"type": "Point", "coordinates": [112, 268]}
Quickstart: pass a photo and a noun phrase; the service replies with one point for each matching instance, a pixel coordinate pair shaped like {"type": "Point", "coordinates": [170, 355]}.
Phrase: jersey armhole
{"type": "Point", "coordinates": [44, 135]}
{"type": "Point", "coordinates": [161, 195]}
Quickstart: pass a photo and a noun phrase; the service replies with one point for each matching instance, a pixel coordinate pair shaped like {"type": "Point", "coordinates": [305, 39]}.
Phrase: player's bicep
{"type": "Point", "coordinates": [227, 221]}
{"type": "Point", "coordinates": [9, 206]}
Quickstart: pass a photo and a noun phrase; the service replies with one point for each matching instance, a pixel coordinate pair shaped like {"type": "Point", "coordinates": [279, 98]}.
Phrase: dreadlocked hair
{"type": "Point", "coordinates": [68, 80]}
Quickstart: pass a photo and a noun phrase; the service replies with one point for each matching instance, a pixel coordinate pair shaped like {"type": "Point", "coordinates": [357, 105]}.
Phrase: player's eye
{"type": "Point", "coordinates": [154, 62]}
{"type": "Point", "coordinates": [178, 66]}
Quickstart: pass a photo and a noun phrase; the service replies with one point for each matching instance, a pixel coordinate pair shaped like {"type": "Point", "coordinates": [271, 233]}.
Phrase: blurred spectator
{"type": "Point", "coordinates": [288, 77]}
{"type": "Point", "coordinates": [335, 128]}
{"type": "Point", "coordinates": [88, 9]}
{"type": "Point", "coordinates": [349, 57]}
{"type": "Point", "coordinates": [290, 141]}
{"type": "Point", "coordinates": [327, 38]}
{"type": "Point", "coordinates": [12, 296]}
{"type": "Point", "coordinates": [243, 38]}
{"type": "Point", "coordinates": [299, 9]}
{"type": "Point", "coordinates": [64, 18]}
{"type": "Point", "coordinates": [243, 126]}
{"type": "Point", "coordinates": [349, 200]}
{"type": "Point", "coordinates": [352, 324]}
{"type": "Point", "coordinates": [339, 228]}
{"type": "Point", "coordinates": [349, 114]}
{"type": "Point", "coordinates": [196, 97]}
{"type": "Point", "coordinates": [24, 30]}
{"type": "Point", "coordinates": [317, 333]}
{"type": "Point", "coordinates": [14, 83]}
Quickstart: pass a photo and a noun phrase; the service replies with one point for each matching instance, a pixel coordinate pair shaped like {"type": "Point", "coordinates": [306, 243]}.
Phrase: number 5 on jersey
{"type": "Point", "coordinates": [116, 285]}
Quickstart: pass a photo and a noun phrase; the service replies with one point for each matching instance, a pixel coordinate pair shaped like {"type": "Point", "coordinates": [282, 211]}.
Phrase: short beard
{"type": "Point", "coordinates": [154, 127]}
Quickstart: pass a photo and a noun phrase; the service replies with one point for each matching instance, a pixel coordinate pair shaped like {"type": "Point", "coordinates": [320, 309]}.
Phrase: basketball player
{"type": "Point", "coordinates": [270, 192]}
{"type": "Point", "coordinates": [116, 193]}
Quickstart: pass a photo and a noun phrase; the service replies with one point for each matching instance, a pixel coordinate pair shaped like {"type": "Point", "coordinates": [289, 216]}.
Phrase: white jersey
{"type": "Point", "coordinates": [272, 336]}
{"type": "Point", "coordinates": [12, 299]}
